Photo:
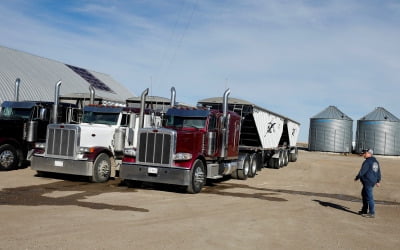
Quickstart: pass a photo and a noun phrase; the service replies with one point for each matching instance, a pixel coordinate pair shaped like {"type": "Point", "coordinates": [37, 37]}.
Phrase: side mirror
{"type": "Point", "coordinates": [132, 120]}
{"type": "Point", "coordinates": [42, 113]}
{"type": "Point", "coordinates": [152, 119]}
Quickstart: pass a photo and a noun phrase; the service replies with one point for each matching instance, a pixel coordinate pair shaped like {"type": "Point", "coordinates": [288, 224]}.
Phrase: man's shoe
{"type": "Point", "coordinates": [369, 215]}
{"type": "Point", "coordinates": [361, 212]}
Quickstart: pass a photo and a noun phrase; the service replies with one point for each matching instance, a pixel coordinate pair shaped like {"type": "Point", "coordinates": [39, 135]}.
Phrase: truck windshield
{"type": "Point", "coordinates": [191, 122]}
{"type": "Point", "coordinates": [100, 118]}
{"type": "Point", "coordinates": [16, 112]}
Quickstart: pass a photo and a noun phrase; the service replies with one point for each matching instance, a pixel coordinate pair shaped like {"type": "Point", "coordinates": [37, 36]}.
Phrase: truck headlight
{"type": "Point", "coordinates": [182, 156]}
{"type": "Point", "coordinates": [40, 145]}
{"type": "Point", "coordinates": [86, 150]}
{"type": "Point", "coordinates": [130, 152]}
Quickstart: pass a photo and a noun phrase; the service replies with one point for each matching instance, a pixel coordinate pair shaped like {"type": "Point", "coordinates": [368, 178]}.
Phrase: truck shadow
{"type": "Point", "coordinates": [223, 188]}
{"type": "Point", "coordinates": [65, 192]}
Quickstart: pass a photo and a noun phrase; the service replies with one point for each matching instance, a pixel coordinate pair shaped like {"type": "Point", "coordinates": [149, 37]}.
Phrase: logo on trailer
{"type": "Point", "coordinates": [271, 126]}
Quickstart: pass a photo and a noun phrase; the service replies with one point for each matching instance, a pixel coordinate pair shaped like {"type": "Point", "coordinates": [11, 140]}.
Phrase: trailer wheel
{"type": "Point", "coordinates": [285, 157]}
{"type": "Point", "coordinates": [254, 165]}
{"type": "Point", "coordinates": [8, 157]}
{"type": "Point", "coordinates": [293, 156]}
{"type": "Point", "coordinates": [281, 158]}
{"type": "Point", "coordinates": [101, 168]}
{"type": "Point", "coordinates": [197, 178]}
{"type": "Point", "coordinates": [271, 163]}
{"type": "Point", "coordinates": [277, 162]}
{"type": "Point", "coordinates": [243, 173]}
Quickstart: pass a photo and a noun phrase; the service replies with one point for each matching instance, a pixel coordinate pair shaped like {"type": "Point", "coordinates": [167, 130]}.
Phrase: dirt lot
{"type": "Point", "coordinates": [310, 204]}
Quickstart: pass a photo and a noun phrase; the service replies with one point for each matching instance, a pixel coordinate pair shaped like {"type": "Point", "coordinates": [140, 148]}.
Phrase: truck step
{"type": "Point", "coordinates": [215, 177]}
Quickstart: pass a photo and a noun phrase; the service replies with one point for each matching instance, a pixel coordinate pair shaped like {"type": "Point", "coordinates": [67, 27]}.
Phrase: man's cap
{"type": "Point", "coordinates": [369, 150]}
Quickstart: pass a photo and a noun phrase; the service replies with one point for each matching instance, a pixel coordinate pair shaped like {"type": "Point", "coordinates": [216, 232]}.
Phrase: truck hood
{"type": "Point", "coordinates": [11, 127]}
{"type": "Point", "coordinates": [189, 141]}
{"type": "Point", "coordinates": [96, 135]}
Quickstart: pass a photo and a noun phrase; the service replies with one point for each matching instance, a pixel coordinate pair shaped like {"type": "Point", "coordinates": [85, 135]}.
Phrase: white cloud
{"type": "Point", "coordinates": [292, 57]}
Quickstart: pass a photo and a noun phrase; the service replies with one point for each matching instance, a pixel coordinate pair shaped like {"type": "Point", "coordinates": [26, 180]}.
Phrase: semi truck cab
{"type": "Point", "coordinates": [93, 148]}
{"type": "Point", "coordinates": [194, 144]}
{"type": "Point", "coordinates": [22, 123]}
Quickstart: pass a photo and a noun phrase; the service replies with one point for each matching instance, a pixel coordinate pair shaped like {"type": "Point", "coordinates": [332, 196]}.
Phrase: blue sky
{"type": "Point", "coordinates": [292, 57]}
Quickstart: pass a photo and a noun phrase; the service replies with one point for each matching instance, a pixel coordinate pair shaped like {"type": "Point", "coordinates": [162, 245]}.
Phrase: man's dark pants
{"type": "Point", "coordinates": [368, 199]}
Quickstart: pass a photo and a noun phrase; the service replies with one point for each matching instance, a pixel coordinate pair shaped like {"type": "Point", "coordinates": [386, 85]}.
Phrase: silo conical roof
{"type": "Point", "coordinates": [331, 112]}
{"type": "Point", "coordinates": [380, 114]}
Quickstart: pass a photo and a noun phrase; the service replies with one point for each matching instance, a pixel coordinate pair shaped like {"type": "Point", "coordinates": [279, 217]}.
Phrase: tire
{"type": "Point", "coordinates": [254, 165]}
{"type": "Point", "coordinates": [197, 177]}
{"type": "Point", "coordinates": [271, 163]}
{"type": "Point", "coordinates": [101, 168]}
{"type": "Point", "coordinates": [8, 157]}
{"type": "Point", "coordinates": [244, 172]}
{"type": "Point", "coordinates": [293, 156]}
{"type": "Point", "coordinates": [275, 163]}
{"type": "Point", "coordinates": [285, 157]}
{"type": "Point", "coordinates": [281, 159]}
{"type": "Point", "coordinates": [234, 174]}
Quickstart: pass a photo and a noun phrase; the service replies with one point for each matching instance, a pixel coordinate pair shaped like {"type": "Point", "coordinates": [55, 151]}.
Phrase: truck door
{"type": "Point", "coordinates": [212, 136]}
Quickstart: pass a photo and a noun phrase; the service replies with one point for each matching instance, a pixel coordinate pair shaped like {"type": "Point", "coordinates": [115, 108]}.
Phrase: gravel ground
{"type": "Point", "coordinates": [310, 204]}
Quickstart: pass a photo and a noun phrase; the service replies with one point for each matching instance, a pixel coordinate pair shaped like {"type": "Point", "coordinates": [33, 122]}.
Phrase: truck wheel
{"type": "Point", "coordinates": [285, 157]}
{"type": "Point", "coordinates": [271, 163]}
{"type": "Point", "coordinates": [277, 162]}
{"type": "Point", "coordinates": [197, 178]}
{"type": "Point", "coordinates": [244, 172]}
{"type": "Point", "coordinates": [254, 162]}
{"type": "Point", "coordinates": [281, 161]}
{"type": "Point", "coordinates": [293, 156]}
{"type": "Point", "coordinates": [101, 168]}
{"type": "Point", "coordinates": [8, 157]}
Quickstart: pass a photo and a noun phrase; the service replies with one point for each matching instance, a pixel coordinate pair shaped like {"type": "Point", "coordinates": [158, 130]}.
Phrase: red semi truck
{"type": "Point", "coordinates": [210, 142]}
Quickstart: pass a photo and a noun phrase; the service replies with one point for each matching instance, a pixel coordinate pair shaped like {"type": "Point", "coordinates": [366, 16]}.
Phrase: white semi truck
{"type": "Point", "coordinates": [94, 147]}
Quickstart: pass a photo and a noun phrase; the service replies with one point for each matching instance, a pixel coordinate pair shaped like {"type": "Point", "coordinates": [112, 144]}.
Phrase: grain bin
{"type": "Point", "coordinates": [379, 130]}
{"type": "Point", "coordinates": [330, 131]}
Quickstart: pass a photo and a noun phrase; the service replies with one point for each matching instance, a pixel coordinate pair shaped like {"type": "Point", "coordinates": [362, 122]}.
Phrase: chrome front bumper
{"type": "Point", "coordinates": [156, 174]}
{"type": "Point", "coordinates": [64, 166]}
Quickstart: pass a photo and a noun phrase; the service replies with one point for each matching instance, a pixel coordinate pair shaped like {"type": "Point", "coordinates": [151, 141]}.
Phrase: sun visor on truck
{"type": "Point", "coordinates": [188, 112]}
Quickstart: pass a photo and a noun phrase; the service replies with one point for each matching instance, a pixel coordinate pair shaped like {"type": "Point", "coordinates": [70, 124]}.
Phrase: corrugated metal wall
{"type": "Point", "coordinates": [330, 135]}
{"type": "Point", "coordinates": [382, 136]}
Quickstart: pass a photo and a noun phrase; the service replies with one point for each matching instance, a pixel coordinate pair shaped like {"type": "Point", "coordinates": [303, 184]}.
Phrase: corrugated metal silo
{"type": "Point", "coordinates": [330, 131]}
{"type": "Point", "coordinates": [379, 130]}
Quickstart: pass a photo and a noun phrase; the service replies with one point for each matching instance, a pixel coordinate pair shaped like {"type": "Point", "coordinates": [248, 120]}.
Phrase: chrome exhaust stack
{"type": "Point", "coordinates": [92, 94]}
{"type": "Point", "coordinates": [225, 102]}
{"type": "Point", "coordinates": [225, 124]}
{"type": "Point", "coordinates": [56, 101]}
{"type": "Point", "coordinates": [16, 93]}
{"type": "Point", "coordinates": [142, 103]}
{"type": "Point", "coordinates": [173, 97]}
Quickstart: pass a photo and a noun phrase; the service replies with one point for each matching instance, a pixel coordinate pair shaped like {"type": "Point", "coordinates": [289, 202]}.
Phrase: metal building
{"type": "Point", "coordinates": [379, 130]}
{"type": "Point", "coordinates": [39, 75]}
{"type": "Point", "coordinates": [330, 131]}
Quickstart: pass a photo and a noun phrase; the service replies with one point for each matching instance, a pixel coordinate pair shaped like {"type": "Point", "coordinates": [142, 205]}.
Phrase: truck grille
{"type": "Point", "coordinates": [62, 140]}
{"type": "Point", "coordinates": [156, 147]}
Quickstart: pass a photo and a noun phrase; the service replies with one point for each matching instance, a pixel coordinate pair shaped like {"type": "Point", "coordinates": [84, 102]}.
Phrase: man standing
{"type": "Point", "coordinates": [369, 175]}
